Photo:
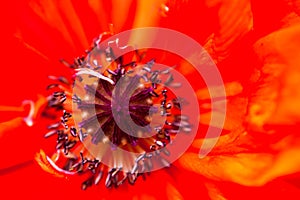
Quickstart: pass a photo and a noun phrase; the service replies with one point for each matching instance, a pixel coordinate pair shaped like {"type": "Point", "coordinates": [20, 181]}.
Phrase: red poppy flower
{"type": "Point", "coordinates": [255, 51]}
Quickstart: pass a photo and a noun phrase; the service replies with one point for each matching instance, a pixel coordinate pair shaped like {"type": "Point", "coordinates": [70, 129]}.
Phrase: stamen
{"type": "Point", "coordinates": [50, 133]}
{"type": "Point", "coordinates": [94, 73]}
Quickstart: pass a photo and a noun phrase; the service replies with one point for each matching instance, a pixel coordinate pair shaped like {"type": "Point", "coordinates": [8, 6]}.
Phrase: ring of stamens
{"type": "Point", "coordinates": [76, 157]}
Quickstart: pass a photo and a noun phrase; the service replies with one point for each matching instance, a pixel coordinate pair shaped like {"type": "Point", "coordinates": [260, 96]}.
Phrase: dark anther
{"type": "Point", "coordinates": [64, 80]}
{"type": "Point", "coordinates": [108, 181]}
{"type": "Point", "coordinates": [65, 119]}
{"type": "Point", "coordinates": [164, 162]}
{"type": "Point", "coordinates": [131, 178]}
{"type": "Point", "coordinates": [93, 165]}
{"type": "Point", "coordinates": [151, 63]}
{"type": "Point", "coordinates": [76, 99]}
{"type": "Point", "coordinates": [178, 102]}
{"type": "Point", "coordinates": [166, 152]}
{"type": "Point", "coordinates": [52, 86]}
{"type": "Point", "coordinates": [147, 69]}
{"type": "Point", "coordinates": [98, 177]}
{"type": "Point", "coordinates": [134, 168]}
{"type": "Point", "coordinates": [58, 94]}
{"type": "Point", "coordinates": [109, 54]}
{"type": "Point", "coordinates": [61, 136]}
{"type": "Point", "coordinates": [68, 145]}
{"type": "Point", "coordinates": [154, 94]}
{"type": "Point", "coordinates": [153, 147]}
{"type": "Point", "coordinates": [83, 160]}
{"type": "Point", "coordinates": [64, 62]}
{"type": "Point", "coordinates": [112, 72]}
{"type": "Point", "coordinates": [132, 64]}
{"type": "Point", "coordinates": [176, 85]}
{"type": "Point", "coordinates": [54, 126]}
{"type": "Point", "coordinates": [59, 145]}
{"type": "Point", "coordinates": [87, 183]}
{"type": "Point", "coordinates": [166, 71]}
{"type": "Point", "coordinates": [169, 80]}
{"type": "Point", "coordinates": [73, 131]}
{"type": "Point", "coordinates": [140, 157]}
{"type": "Point", "coordinates": [154, 85]}
{"type": "Point", "coordinates": [50, 133]}
{"type": "Point", "coordinates": [145, 78]}
{"type": "Point", "coordinates": [57, 99]}
{"type": "Point", "coordinates": [82, 135]}
{"type": "Point", "coordinates": [148, 164]}
{"type": "Point", "coordinates": [79, 61]}
{"type": "Point", "coordinates": [154, 76]}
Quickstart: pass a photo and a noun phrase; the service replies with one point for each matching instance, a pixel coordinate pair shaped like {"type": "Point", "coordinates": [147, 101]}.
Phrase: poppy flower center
{"type": "Point", "coordinates": [117, 107]}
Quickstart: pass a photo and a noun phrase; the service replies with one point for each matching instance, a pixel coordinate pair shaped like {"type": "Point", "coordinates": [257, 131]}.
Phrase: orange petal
{"type": "Point", "coordinates": [10, 125]}
{"type": "Point", "coordinates": [236, 106]}
{"type": "Point", "coordinates": [147, 14]}
{"type": "Point", "coordinates": [235, 20]}
{"type": "Point", "coordinates": [276, 99]}
{"type": "Point", "coordinates": [17, 138]}
{"type": "Point", "coordinates": [98, 8]}
{"type": "Point", "coordinates": [214, 192]}
{"type": "Point", "coordinates": [49, 13]}
{"type": "Point", "coordinates": [246, 168]}
{"type": "Point", "coordinates": [120, 13]}
{"type": "Point", "coordinates": [67, 9]}
{"type": "Point", "coordinates": [173, 193]}
{"type": "Point", "coordinates": [231, 89]}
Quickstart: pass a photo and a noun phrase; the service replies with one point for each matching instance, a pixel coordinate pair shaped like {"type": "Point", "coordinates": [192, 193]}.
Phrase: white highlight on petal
{"type": "Point", "coordinates": [58, 168]}
{"type": "Point", "coordinates": [95, 62]}
{"type": "Point", "coordinates": [94, 73]}
{"type": "Point", "coordinates": [28, 120]}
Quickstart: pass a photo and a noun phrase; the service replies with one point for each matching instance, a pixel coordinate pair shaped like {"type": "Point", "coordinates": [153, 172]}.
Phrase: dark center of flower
{"type": "Point", "coordinates": [113, 110]}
